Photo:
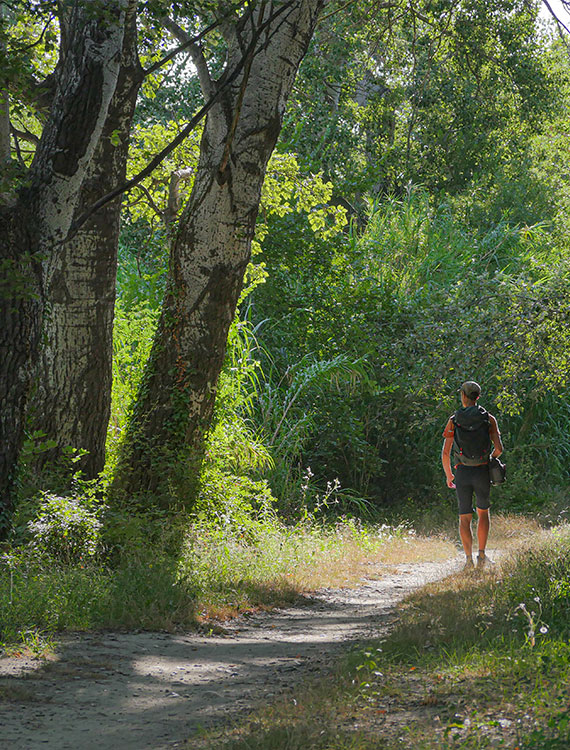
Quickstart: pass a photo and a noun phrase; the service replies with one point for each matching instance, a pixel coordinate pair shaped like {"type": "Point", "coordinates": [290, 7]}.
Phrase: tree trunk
{"type": "Point", "coordinates": [163, 449]}
{"type": "Point", "coordinates": [74, 375]}
{"type": "Point", "coordinates": [4, 124]}
{"type": "Point", "coordinates": [4, 105]}
{"type": "Point", "coordinates": [37, 222]}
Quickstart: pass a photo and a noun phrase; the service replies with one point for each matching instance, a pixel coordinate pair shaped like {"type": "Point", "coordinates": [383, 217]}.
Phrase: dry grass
{"type": "Point", "coordinates": [352, 563]}
{"type": "Point", "coordinates": [508, 531]}
{"type": "Point", "coordinates": [341, 558]}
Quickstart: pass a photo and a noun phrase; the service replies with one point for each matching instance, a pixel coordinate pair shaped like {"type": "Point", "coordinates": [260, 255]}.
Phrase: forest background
{"type": "Point", "coordinates": [412, 233]}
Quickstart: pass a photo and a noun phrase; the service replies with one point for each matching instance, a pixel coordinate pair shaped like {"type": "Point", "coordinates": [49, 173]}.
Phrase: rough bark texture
{"type": "Point", "coordinates": [4, 102]}
{"type": "Point", "coordinates": [74, 376]}
{"type": "Point", "coordinates": [4, 105]}
{"type": "Point", "coordinates": [41, 215]}
{"type": "Point", "coordinates": [4, 123]}
{"type": "Point", "coordinates": [163, 448]}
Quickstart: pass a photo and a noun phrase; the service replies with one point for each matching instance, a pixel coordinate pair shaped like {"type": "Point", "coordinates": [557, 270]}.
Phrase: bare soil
{"type": "Point", "coordinates": [152, 691]}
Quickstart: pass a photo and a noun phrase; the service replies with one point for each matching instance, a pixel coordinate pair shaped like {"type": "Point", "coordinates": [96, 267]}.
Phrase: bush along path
{"type": "Point", "coordinates": [138, 691]}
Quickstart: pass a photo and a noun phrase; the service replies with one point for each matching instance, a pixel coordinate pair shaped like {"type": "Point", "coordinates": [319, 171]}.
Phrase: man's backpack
{"type": "Point", "coordinates": [472, 443]}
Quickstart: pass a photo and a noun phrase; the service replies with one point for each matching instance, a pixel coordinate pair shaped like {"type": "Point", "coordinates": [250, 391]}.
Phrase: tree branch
{"type": "Point", "coordinates": [182, 48]}
{"type": "Point", "coordinates": [180, 175]}
{"type": "Point", "coordinates": [24, 135]}
{"type": "Point", "coordinates": [150, 200]}
{"type": "Point", "coordinates": [195, 51]}
{"type": "Point", "coordinates": [553, 14]}
{"type": "Point", "coordinates": [30, 46]}
{"type": "Point", "coordinates": [379, 6]}
{"type": "Point", "coordinates": [184, 133]}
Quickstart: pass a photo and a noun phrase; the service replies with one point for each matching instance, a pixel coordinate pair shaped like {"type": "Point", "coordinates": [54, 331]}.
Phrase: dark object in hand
{"type": "Point", "coordinates": [497, 471]}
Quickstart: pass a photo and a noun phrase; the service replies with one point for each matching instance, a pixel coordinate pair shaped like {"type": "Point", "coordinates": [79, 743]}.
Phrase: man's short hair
{"type": "Point", "coordinates": [471, 389]}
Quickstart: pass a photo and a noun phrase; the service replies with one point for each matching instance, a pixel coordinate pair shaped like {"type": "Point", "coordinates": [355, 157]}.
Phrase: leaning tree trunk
{"type": "Point", "coordinates": [4, 103]}
{"type": "Point", "coordinates": [163, 448]}
{"type": "Point", "coordinates": [37, 220]}
{"type": "Point", "coordinates": [72, 404]}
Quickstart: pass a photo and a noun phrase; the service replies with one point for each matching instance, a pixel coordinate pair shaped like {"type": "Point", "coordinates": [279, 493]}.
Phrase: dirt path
{"type": "Point", "coordinates": [152, 691]}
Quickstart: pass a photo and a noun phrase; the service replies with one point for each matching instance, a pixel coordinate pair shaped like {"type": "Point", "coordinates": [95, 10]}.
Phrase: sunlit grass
{"type": "Point", "coordinates": [231, 574]}
{"type": "Point", "coordinates": [185, 576]}
{"type": "Point", "coordinates": [190, 575]}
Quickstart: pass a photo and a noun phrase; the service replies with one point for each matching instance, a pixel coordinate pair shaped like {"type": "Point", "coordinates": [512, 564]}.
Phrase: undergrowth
{"type": "Point", "coordinates": [158, 573]}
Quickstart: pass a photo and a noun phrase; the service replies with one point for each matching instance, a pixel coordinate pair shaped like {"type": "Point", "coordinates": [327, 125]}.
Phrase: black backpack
{"type": "Point", "coordinates": [471, 443]}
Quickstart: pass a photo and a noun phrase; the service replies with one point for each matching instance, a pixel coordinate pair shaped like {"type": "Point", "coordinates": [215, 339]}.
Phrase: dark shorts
{"type": "Point", "coordinates": [471, 480]}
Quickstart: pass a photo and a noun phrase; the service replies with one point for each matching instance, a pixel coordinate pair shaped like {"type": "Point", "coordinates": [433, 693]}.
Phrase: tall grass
{"type": "Point", "coordinates": [163, 574]}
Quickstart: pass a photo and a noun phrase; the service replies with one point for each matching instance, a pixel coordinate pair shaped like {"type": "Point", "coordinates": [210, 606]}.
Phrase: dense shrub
{"type": "Point", "coordinates": [422, 302]}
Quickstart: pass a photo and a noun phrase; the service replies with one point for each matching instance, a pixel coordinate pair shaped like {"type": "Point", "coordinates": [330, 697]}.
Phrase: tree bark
{"type": "Point", "coordinates": [4, 123]}
{"type": "Point", "coordinates": [163, 449]}
{"type": "Point", "coordinates": [72, 404]}
{"type": "Point", "coordinates": [36, 224]}
{"type": "Point", "coordinates": [4, 102]}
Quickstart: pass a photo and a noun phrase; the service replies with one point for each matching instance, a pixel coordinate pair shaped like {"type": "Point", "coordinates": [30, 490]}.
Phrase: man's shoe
{"type": "Point", "coordinates": [483, 561]}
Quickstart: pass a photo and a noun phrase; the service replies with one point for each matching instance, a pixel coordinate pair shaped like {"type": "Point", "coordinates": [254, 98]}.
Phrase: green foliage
{"type": "Point", "coordinates": [65, 529]}
{"type": "Point", "coordinates": [426, 302]}
{"type": "Point", "coordinates": [132, 341]}
{"type": "Point", "coordinates": [149, 200]}
{"type": "Point", "coordinates": [60, 473]}
{"type": "Point", "coordinates": [438, 93]}
{"type": "Point", "coordinates": [541, 586]}
{"type": "Point", "coordinates": [291, 407]}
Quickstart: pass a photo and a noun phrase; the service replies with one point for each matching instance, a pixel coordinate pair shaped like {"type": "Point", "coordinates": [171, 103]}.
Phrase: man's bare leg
{"type": "Point", "coordinates": [483, 528]}
{"type": "Point", "coordinates": [482, 535]}
{"type": "Point", "coordinates": [466, 535]}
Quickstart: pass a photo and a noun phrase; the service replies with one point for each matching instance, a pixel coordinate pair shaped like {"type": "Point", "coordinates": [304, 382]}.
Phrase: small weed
{"type": "Point", "coordinates": [33, 643]}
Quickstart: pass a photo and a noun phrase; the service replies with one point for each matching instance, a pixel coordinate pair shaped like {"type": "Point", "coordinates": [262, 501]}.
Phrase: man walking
{"type": "Point", "coordinates": [471, 432]}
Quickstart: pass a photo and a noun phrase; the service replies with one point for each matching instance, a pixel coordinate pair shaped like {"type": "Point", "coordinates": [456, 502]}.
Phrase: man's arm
{"type": "Point", "coordinates": [446, 453]}
{"type": "Point", "coordinates": [495, 436]}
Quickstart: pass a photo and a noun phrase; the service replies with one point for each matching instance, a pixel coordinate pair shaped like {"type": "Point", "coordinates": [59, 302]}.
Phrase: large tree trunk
{"type": "Point", "coordinates": [72, 404]}
{"type": "Point", "coordinates": [37, 221]}
{"type": "Point", "coordinates": [4, 103]}
{"type": "Point", "coordinates": [163, 448]}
